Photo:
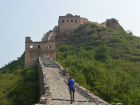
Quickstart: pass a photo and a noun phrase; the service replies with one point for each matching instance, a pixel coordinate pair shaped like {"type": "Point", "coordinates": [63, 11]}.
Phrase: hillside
{"type": "Point", "coordinates": [106, 61]}
{"type": "Point", "coordinates": [121, 44]}
{"type": "Point", "coordinates": [18, 85]}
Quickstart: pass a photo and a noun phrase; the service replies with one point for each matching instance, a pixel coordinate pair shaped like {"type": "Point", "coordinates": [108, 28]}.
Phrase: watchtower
{"type": "Point", "coordinates": [34, 50]}
{"type": "Point", "coordinates": [70, 22]}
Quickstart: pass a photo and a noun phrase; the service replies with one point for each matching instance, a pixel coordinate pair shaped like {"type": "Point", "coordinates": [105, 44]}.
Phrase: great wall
{"type": "Point", "coordinates": [52, 77]}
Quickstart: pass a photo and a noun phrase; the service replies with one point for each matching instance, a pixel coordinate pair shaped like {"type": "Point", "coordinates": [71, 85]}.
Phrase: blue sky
{"type": "Point", "coordinates": [22, 18]}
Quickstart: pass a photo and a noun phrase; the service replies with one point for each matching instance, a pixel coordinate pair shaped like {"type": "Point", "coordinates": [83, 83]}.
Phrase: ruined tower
{"type": "Point", "coordinates": [34, 50]}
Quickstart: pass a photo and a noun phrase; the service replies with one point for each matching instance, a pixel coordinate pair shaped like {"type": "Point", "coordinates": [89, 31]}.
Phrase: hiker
{"type": "Point", "coordinates": [71, 88]}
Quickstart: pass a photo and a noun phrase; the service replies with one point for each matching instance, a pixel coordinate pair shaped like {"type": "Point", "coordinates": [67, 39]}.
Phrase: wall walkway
{"type": "Point", "coordinates": [47, 36]}
{"type": "Point", "coordinates": [54, 90]}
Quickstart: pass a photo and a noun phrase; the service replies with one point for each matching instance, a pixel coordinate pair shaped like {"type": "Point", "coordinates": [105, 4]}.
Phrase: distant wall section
{"type": "Point", "coordinates": [71, 22]}
{"type": "Point", "coordinates": [83, 20]}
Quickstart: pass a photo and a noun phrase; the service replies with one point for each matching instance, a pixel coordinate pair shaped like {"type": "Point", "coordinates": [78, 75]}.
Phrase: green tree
{"type": "Point", "coordinates": [102, 52]}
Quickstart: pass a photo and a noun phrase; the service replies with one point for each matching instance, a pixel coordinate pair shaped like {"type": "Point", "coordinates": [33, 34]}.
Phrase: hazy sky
{"type": "Point", "coordinates": [21, 18]}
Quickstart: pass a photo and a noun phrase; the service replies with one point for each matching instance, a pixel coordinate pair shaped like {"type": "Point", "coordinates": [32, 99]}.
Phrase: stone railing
{"type": "Point", "coordinates": [45, 94]}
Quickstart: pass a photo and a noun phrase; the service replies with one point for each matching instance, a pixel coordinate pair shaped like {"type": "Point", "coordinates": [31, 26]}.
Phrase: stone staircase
{"type": "Point", "coordinates": [49, 63]}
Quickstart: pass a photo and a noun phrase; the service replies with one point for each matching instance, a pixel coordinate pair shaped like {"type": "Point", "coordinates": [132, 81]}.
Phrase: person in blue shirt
{"type": "Point", "coordinates": [71, 88]}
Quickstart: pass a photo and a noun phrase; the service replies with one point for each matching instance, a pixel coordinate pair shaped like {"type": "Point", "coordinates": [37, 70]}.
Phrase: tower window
{"type": "Point", "coordinates": [38, 46]}
{"type": "Point", "coordinates": [71, 20]}
{"type": "Point", "coordinates": [49, 47]}
{"type": "Point", "coordinates": [63, 21]}
{"type": "Point", "coordinates": [75, 20]}
{"type": "Point", "coordinates": [31, 46]}
{"type": "Point", "coordinates": [67, 20]}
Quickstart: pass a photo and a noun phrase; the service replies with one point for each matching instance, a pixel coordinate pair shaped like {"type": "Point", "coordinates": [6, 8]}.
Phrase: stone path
{"type": "Point", "coordinates": [59, 89]}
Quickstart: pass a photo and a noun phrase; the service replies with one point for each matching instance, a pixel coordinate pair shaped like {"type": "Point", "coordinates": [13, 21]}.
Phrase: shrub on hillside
{"type": "Point", "coordinates": [26, 91]}
{"type": "Point", "coordinates": [102, 52]}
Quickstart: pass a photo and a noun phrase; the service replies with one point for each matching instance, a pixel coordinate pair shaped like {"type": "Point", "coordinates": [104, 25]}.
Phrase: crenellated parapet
{"type": "Point", "coordinates": [44, 89]}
